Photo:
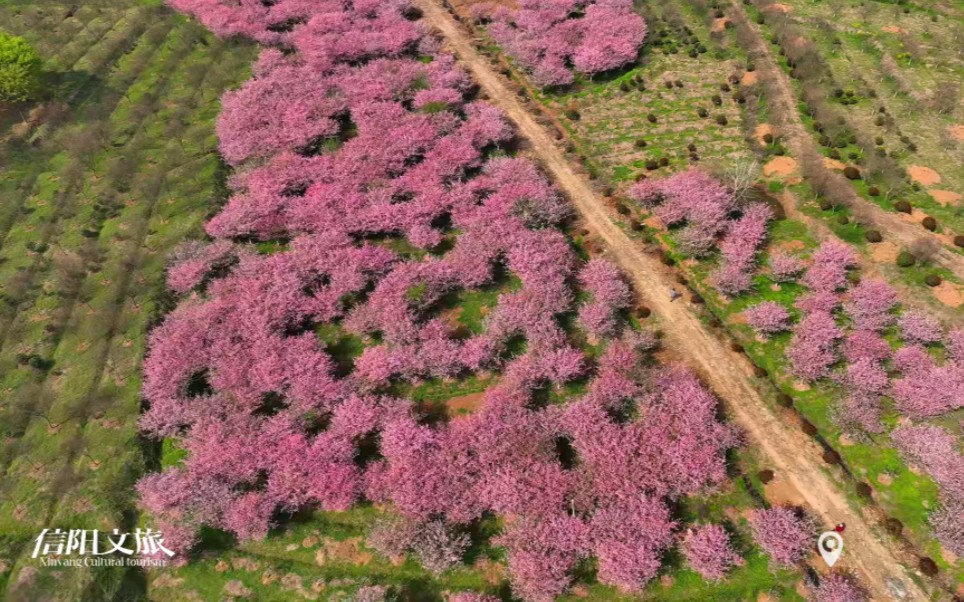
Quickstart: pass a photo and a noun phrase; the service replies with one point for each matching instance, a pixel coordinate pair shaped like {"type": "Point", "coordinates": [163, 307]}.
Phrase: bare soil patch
{"type": "Point", "coordinates": [945, 197]}
{"type": "Point", "coordinates": [749, 78]}
{"type": "Point", "coordinates": [762, 130]}
{"type": "Point", "coordinates": [833, 164]}
{"type": "Point", "coordinates": [719, 24]}
{"type": "Point", "coordinates": [925, 176]}
{"type": "Point", "coordinates": [464, 403]}
{"type": "Point", "coordinates": [950, 294]}
{"type": "Point", "coordinates": [893, 29]}
{"type": "Point", "coordinates": [957, 132]}
{"type": "Point", "coordinates": [884, 252]}
{"type": "Point", "coordinates": [780, 166]}
{"type": "Point", "coordinates": [778, 8]}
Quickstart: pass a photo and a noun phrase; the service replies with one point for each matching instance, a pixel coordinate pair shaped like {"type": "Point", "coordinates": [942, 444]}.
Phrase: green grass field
{"type": "Point", "coordinates": [99, 181]}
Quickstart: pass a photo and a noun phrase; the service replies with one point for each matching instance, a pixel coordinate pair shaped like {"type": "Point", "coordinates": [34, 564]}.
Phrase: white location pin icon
{"type": "Point", "coordinates": [830, 545]}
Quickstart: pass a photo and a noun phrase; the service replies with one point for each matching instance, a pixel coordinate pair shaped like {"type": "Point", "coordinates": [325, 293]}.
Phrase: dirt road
{"type": "Point", "coordinates": [794, 456]}
{"type": "Point", "coordinates": [783, 100]}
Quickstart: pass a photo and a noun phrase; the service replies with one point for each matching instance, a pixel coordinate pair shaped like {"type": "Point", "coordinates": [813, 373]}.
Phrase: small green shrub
{"type": "Point", "coordinates": [933, 280]}
{"type": "Point", "coordinates": [873, 236]}
{"type": "Point", "coordinates": [905, 259]}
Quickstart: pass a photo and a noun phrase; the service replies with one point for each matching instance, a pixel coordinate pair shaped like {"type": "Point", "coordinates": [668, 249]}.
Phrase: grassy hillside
{"type": "Point", "coordinates": [99, 181]}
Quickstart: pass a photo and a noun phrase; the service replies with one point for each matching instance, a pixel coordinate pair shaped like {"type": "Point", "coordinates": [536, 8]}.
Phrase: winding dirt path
{"type": "Point", "coordinates": [802, 146]}
{"type": "Point", "coordinates": [794, 456]}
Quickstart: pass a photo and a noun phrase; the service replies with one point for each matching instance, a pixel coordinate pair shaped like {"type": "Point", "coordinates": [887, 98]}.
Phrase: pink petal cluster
{"type": "Point", "coordinates": [193, 261]}
{"type": "Point", "coordinates": [935, 450]}
{"type": "Point", "coordinates": [693, 199]}
{"type": "Point", "coordinates": [925, 388]}
{"type": "Point", "coordinates": [768, 317]}
{"type": "Point", "coordinates": [708, 551]}
{"type": "Point", "coordinates": [739, 247]}
{"type": "Point", "coordinates": [785, 267]}
{"type": "Point", "coordinates": [830, 262]}
{"type": "Point", "coordinates": [784, 536]}
{"type": "Point", "coordinates": [812, 350]}
{"type": "Point", "coordinates": [840, 587]}
{"type": "Point", "coordinates": [547, 36]}
{"type": "Point", "coordinates": [870, 305]}
{"type": "Point", "coordinates": [917, 327]}
{"type": "Point", "coordinates": [610, 294]}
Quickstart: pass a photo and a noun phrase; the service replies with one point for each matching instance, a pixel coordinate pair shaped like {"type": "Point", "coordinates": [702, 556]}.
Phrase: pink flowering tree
{"type": "Point", "coordinates": [546, 36]}
{"type": "Point", "coordinates": [784, 536]}
{"type": "Point", "coordinates": [918, 327]}
{"type": "Point", "coordinates": [768, 318]}
{"type": "Point", "coordinates": [708, 551]}
{"type": "Point", "coordinates": [785, 267]}
{"type": "Point", "coordinates": [610, 294]}
{"type": "Point", "coordinates": [840, 587]}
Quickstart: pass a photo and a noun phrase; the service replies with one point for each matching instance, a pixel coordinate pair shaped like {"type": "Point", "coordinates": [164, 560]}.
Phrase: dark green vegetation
{"type": "Point", "coordinates": [98, 183]}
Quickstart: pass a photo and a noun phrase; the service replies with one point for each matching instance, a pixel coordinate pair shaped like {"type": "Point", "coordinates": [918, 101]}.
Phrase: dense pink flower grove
{"type": "Point", "coordinates": [701, 207]}
{"type": "Point", "coordinates": [784, 536]}
{"type": "Point", "coordinates": [708, 551]}
{"type": "Point", "coordinates": [548, 36]}
{"type": "Point", "coordinates": [361, 156]}
{"type": "Point", "coordinates": [840, 587]}
{"type": "Point", "coordinates": [768, 317]}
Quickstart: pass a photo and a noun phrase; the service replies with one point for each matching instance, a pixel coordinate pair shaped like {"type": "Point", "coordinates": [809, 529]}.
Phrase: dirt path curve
{"type": "Point", "coordinates": [793, 455]}
{"type": "Point", "coordinates": [802, 146]}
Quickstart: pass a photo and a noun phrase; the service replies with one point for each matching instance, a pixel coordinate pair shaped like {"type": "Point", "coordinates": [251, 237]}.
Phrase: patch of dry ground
{"type": "Point", "coordinates": [925, 176]}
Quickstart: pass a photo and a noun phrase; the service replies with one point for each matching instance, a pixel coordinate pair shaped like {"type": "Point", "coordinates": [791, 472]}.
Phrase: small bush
{"type": "Point", "coordinates": [724, 87]}
{"type": "Point", "coordinates": [959, 241]}
{"type": "Point", "coordinates": [927, 566]}
{"type": "Point", "coordinates": [905, 259]}
{"type": "Point", "coordinates": [903, 207]}
{"type": "Point", "coordinates": [765, 475]}
{"type": "Point", "coordinates": [851, 173]}
{"type": "Point", "coordinates": [668, 84]}
{"type": "Point", "coordinates": [651, 118]}
{"type": "Point", "coordinates": [894, 526]}
{"type": "Point", "coordinates": [678, 83]}
{"type": "Point", "coordinates": [652, 164]}
{"type": "Point", "coordinates": [831, 457]}
{"type": "Point", "coordinates": [873, 191]}
{"type": "Point", "coordinates": [864, 490]}
{"type": "Point", "coordinates": [879, 141]}
{"type": "Point", "coordinates": [734, 346]}
{"type": "Point", "coordinates": [825, 205]}
{"type": "Point", "coordinates": [768, 138]}
{"type": "Point", "coordinates": [873, 236]}
{"type": "Point", "coordinates": [643, 312]}
{"type": "Point", "coordinates": [843, 220]}
{"type": "Point", "coordinates": [573, 115]}
{"type": "Point", "coordinates": [716, 100]}
{"type": "Point", "coordinates": [691, 147]}
{"type": "Point", "coordinates": [760, 372]}
{"type": "Point", "coordinates": [663, 162]}
{"type": "Point", "coordinates": [933, 280]}
{"type": "Point", "coordinates": [721, 119]}
{"type": "Point", "coordinates": [702, 112]}
{"type": "Point", "coordinates": [640, 143]}
{"type": "Point", "coordinates": [929, 223]}
{"type": "Point", "coordinates": [808, 428]}
{"type": "Point", "coordinates": [785, 400]}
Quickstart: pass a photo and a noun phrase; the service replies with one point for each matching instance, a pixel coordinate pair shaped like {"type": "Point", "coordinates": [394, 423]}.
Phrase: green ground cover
{"type": "Point", "coordinates": [115, 167]}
